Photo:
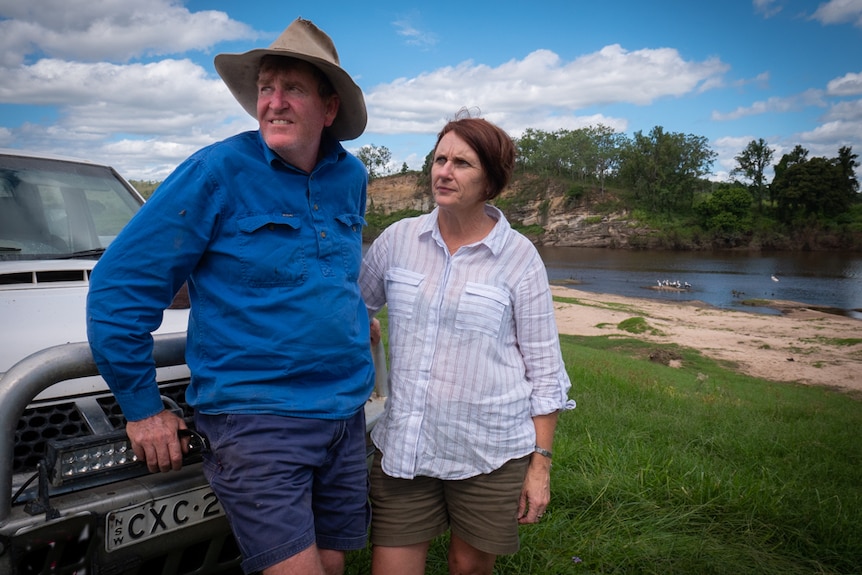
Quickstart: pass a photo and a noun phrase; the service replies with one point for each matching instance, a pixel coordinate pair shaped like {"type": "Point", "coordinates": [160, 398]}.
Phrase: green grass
{"type": "Point", "coordinates": [531, 230]}
{"type": "Point", "coordinates": [837, 341]}
{"type": "Point", "coordinates": [691, 470]}
{"type": "Point", "coordinates": [637, 325]}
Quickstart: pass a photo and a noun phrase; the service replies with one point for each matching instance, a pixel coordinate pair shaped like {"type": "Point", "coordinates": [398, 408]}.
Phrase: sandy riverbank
{"type": "Point", "coordinates": [797, 346]}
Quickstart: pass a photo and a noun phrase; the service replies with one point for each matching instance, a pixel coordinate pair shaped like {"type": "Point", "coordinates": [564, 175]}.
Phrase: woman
{"type": "Point", "coordinates": [476, 375]}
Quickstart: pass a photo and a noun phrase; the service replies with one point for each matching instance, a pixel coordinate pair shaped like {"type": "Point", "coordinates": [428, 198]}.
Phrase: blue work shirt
{"type": "Point", "coordinates": [271, 254]}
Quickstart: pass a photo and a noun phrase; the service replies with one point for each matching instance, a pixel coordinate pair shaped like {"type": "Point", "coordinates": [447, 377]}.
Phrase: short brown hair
{"type": "Point", "coordinates": [492, 145]}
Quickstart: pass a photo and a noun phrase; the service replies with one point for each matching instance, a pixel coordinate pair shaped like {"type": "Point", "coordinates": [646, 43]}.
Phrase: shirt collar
{"type": "Point", "coordinates": [494, 241]}
{"type": "Point", "coordinates": [332, 152]}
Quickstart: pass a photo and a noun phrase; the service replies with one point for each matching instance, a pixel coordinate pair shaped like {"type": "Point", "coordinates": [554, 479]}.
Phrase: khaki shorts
{"type": "Point", "coordinates": [481, 510]}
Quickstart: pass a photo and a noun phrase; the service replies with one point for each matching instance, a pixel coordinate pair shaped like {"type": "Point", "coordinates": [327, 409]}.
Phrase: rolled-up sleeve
{"type": "Point", "coordinates": [371, 274]}
{"type": "Point", "coordinates": [539, 342]}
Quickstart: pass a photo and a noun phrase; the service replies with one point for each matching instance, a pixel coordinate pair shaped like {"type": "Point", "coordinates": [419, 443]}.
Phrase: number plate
{"type": "Point", "coordinates": [141, 522]}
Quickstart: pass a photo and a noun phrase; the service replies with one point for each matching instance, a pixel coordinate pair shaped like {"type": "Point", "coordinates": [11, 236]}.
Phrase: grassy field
{"type": "Point", "coordinates": [696, 470]}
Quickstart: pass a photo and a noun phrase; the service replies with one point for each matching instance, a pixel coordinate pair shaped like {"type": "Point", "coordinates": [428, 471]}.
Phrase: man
{"type": "Point", "coordinates": [266, 228]}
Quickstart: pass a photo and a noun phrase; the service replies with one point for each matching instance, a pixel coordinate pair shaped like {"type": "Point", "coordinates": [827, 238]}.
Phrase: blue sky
{"type": "Point", "coordinates": [132, 83]}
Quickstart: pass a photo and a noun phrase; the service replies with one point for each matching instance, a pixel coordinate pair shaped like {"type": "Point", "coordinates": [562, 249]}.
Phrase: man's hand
{"type": "Point", "coordinates": [155, 441]}
{"type": "Point", "coordinates": [375, 331]}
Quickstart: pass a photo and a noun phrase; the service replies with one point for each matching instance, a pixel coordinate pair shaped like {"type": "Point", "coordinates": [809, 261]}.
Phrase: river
{"type": "Point", "coordinates": [721, 279]}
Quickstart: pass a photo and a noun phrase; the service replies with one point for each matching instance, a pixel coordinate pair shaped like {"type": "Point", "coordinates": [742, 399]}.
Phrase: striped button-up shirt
{"type": "Point", "coordinates": [474, 348]}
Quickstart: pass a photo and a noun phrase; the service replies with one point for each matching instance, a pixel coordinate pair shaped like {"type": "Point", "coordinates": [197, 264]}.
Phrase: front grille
{"type": "Point", "coordinates": [112, 410]}
{"type": "Point", "coordinates": [64, 421]}
{"type": "Point", "coordinates": [38, 425]}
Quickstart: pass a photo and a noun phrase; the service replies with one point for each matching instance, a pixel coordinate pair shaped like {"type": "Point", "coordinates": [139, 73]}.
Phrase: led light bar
{"type": "Point", "coordinates": [81, 458]}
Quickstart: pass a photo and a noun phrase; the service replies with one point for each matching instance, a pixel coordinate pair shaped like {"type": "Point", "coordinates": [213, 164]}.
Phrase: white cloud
{"type": "Point", "coordinates": [541, 85]}
{"type": "Point", "coordinates": [846, 111]}
{"type": "Point", "coordinates": [775, 105]}
{"type": "Point", "coordinates": [117, 113]}
{"type": "Point", "coordinates": [109, 30]}
{"type": "Point", "coordinates": [767, 8]}
{"type": "Point", "coordinates": [761, 81]}
{"type": "Point", "coordinates": [848, 85]}
{"type": "Point", "coordinates": [414, 36]}
{"type": "Point", "coordinates": [164, 85]}
{"type": "Point", "coordinates": [727, 149]}
{"type": "Point", "coordinates": [107, 110]}
{"type": "Point", "coordinates": [840, 126]}
{"type": "Point", "coordinates": [839, 12]}
{"type": "Point", "coordinates": [75, 55]}
{"type": "Point", "coordinates": [832, 132]}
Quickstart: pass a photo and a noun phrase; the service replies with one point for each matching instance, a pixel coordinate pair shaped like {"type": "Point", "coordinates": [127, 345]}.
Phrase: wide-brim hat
{"type": "Point", "coordinates": [304, 41]}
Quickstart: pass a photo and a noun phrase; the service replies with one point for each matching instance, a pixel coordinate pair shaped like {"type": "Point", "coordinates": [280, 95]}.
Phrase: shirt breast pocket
{"type": "Point", "coordinates": [270, 250]}
{"type": "Point", "coordinates": [351, 243]}
{"type": "Point", "coordinates": [481, 308]}
{"type": "Point", "coordinates": [402, 291]}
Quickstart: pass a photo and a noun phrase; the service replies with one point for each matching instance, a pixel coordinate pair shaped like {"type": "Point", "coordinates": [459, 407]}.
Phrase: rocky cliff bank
{"type": "Point", "coordinates": [548, 215]}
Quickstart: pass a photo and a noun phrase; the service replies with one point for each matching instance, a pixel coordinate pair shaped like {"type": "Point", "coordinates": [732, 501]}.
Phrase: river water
{"type": "Point", "coordinates": [722, 279]}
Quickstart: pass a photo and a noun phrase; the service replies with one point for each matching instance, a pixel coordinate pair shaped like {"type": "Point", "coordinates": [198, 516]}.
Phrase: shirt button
{"type": "Point", "coordinates": [315, 207]}
{"type": "Point", "coordinates": [323, 234]}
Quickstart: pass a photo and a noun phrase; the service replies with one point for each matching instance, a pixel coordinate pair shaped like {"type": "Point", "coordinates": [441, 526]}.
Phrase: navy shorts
{"type": "Point", "coordinates": [286, 483]}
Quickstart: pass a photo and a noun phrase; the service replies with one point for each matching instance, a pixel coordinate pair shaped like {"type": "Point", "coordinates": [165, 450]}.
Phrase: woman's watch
{"type": "Point", "coordinates": [544, 452]}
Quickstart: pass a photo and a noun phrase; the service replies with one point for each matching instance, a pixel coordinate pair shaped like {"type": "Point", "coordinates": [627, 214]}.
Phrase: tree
{"type": "Point", "coordinates": [532, 151]}
{"type": "Point", "coordinates": [697, 160]}
{"type": "Point", "coordinates": [847, 165]}
{"type": "Point", "coordinates": [570, 151]}
{"type": "Point", "coordinates": [424, 180]}
{"type": "Point", "coordinates": [785, 189]}
{"type": "Point", "coordinates": [608, 145]}
{"type": "Point", "coordinates": [825, 187]}
{"type": "Point", "coordinates": [751, 163]}
{"type": "Point", "coordinates": [376, 159]}
{"type": "Point", "coordinates": [727, 210]}
{"type": "Point", "coordinates": [585, 154]}
{"type": "Point", "coordinates": [664, 168]}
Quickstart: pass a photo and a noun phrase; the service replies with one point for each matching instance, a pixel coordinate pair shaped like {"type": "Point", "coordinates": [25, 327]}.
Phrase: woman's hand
{"type": "Point", "coordinates": [536, 492]}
